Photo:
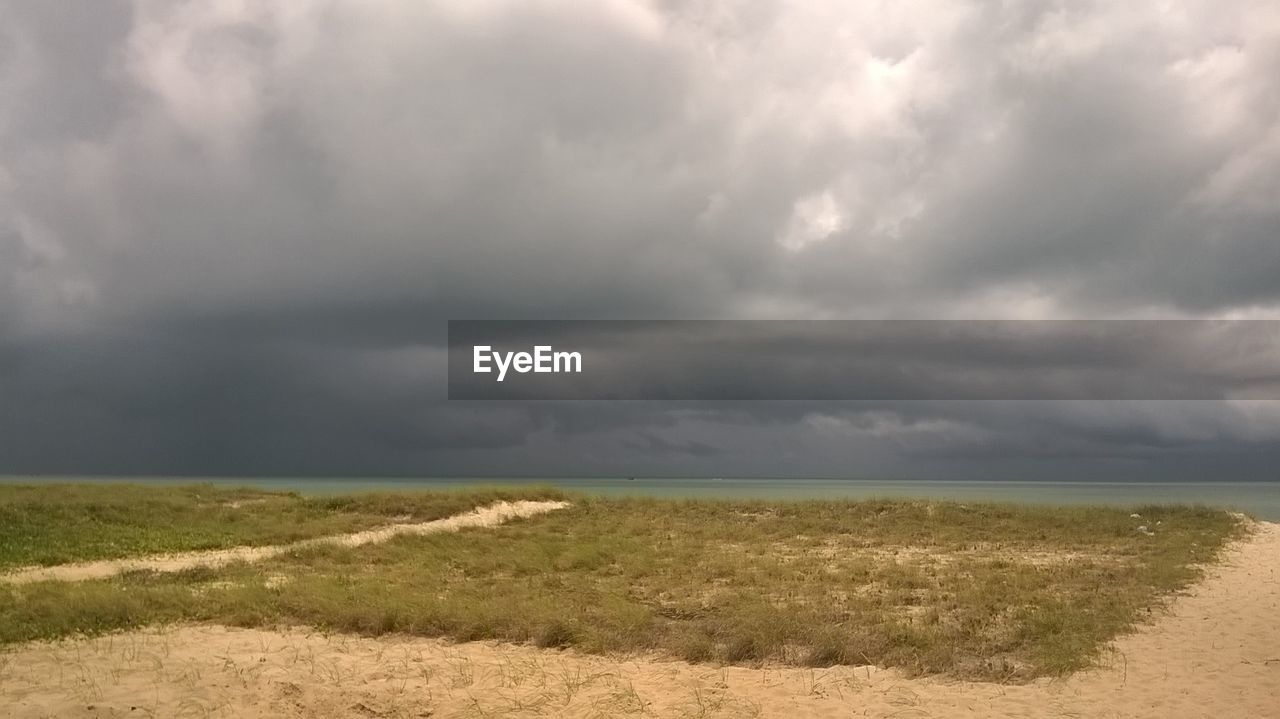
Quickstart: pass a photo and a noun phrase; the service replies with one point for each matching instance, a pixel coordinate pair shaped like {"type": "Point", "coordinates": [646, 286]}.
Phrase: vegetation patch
{"type": "Point", "coordinates": [985, 591]}
{"type": "Point", "coordinates": [49, 524]}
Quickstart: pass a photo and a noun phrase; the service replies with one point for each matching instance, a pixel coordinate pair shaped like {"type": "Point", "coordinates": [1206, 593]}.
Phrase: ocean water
{"type": "Point", "coordinates": [1260, 499]}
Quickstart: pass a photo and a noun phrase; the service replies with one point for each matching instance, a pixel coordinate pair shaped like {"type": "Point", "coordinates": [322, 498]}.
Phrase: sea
{"type": "Point", "coordinates": [1258, 499]}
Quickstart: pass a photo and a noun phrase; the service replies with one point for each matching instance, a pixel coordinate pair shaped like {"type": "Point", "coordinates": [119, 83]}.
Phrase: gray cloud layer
{"type": "Point", "coordinates": [230, 232]}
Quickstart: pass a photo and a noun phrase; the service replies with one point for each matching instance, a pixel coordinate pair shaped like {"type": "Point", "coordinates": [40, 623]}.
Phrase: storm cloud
{"type": "Point", "coordinates": [231, 233]}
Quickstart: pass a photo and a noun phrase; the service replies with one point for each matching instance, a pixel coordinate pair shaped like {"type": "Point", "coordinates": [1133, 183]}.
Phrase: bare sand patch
{"type": "Point", "coordinates": [1215, 652]}
{"type": "Point", "coordinates": [835, 551]}
{"type": "Point", "coordinates": [491, 515]}
{"type": "Point", "coordinates": [239, 503]}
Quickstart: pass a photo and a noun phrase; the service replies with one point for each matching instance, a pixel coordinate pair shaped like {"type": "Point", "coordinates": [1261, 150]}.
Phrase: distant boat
{"type": "Point", "coordinates": [631, 479]}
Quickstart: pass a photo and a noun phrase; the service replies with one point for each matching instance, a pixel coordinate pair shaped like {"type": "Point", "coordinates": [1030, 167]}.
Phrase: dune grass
{"type": "Point", "coordinates": [47, 524]}
{"type": "Point", "coordinates": [981, 591]}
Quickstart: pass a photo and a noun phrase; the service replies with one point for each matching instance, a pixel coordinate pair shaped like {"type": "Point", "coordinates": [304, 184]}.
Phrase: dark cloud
{"type": "Point", "coordinates": [652, 444]}
{"type": "Point", "coordinates": [230, 233]}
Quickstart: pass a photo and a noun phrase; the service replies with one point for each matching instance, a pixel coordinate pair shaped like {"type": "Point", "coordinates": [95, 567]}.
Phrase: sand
{"type": "Point", "coordinates": [489, 516]}
{"type": "Point", "coordinates": [1215, 652]}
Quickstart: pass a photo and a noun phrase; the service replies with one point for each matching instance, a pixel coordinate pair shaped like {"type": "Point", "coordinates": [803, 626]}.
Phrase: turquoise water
{"type": "Point", "coordinates": [1261, 499]}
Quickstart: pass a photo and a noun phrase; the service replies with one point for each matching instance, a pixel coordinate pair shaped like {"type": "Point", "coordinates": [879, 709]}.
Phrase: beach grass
{"type": "Point", "coordinates": [980, 591]}
{"type": "Point", "coordinates": [47, 524]}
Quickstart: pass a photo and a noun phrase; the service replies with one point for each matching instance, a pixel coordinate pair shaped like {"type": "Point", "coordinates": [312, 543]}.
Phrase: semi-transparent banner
{"type": "Point", "coordinates": [864, 359]}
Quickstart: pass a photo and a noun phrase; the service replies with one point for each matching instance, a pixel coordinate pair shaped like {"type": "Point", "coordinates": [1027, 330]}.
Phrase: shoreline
{"type": "Point", "coordinates": [1260, 499]}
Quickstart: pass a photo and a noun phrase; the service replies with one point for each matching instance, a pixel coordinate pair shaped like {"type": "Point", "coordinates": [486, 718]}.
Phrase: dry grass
{"type": "Point", "coordinates": [979, 591]}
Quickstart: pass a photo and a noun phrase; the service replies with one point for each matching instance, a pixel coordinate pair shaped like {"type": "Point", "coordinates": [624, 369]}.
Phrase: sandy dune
{"type": "Point", "coordinates": [1215, 653]}
{"type": "Point", "coordinates": [493, 514]}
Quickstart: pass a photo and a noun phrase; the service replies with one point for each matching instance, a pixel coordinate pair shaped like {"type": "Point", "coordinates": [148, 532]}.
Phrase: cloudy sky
{"type": "Point", "coordinates": [231, 232]}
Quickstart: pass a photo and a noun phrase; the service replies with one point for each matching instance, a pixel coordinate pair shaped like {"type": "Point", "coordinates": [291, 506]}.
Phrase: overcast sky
{"type": "Point", "coordinates": [231, 232]}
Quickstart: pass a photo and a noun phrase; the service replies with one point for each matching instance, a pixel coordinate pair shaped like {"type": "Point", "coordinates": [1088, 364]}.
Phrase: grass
{"type": "Point", "coordinates": [51, 524]}
{"type": "Point", "coordinates": [980, 591]}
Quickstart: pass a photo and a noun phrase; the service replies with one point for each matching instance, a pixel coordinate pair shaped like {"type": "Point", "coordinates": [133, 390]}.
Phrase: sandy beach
{"type": "Point", "coordinates": [1214, 652]}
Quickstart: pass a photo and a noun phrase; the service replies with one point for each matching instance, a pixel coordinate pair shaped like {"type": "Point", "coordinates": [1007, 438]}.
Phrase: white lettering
{"type": "Point", "coordinates": [503, 362]}
{"type": "Point", "coordinates": [543, 360]}
{"type": "Point", "coordinates": [572, 362]}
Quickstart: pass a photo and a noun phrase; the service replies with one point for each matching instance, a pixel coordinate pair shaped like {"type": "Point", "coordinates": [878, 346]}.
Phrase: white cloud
{"type": "Point", "coordinates": [813, 219]}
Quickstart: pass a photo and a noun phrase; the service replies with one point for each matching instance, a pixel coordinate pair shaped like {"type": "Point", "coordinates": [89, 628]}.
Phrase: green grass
{"type": "Point", "coordinates": [982, 591]}
{"type": "Point", "coordinates": [58, 523]}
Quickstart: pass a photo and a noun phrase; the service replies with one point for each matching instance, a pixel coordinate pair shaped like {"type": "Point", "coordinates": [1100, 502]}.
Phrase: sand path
{"type": "Point", "coordinates": [1215, 653]}
{"type": "Point", "coordinates": [491, 515]}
